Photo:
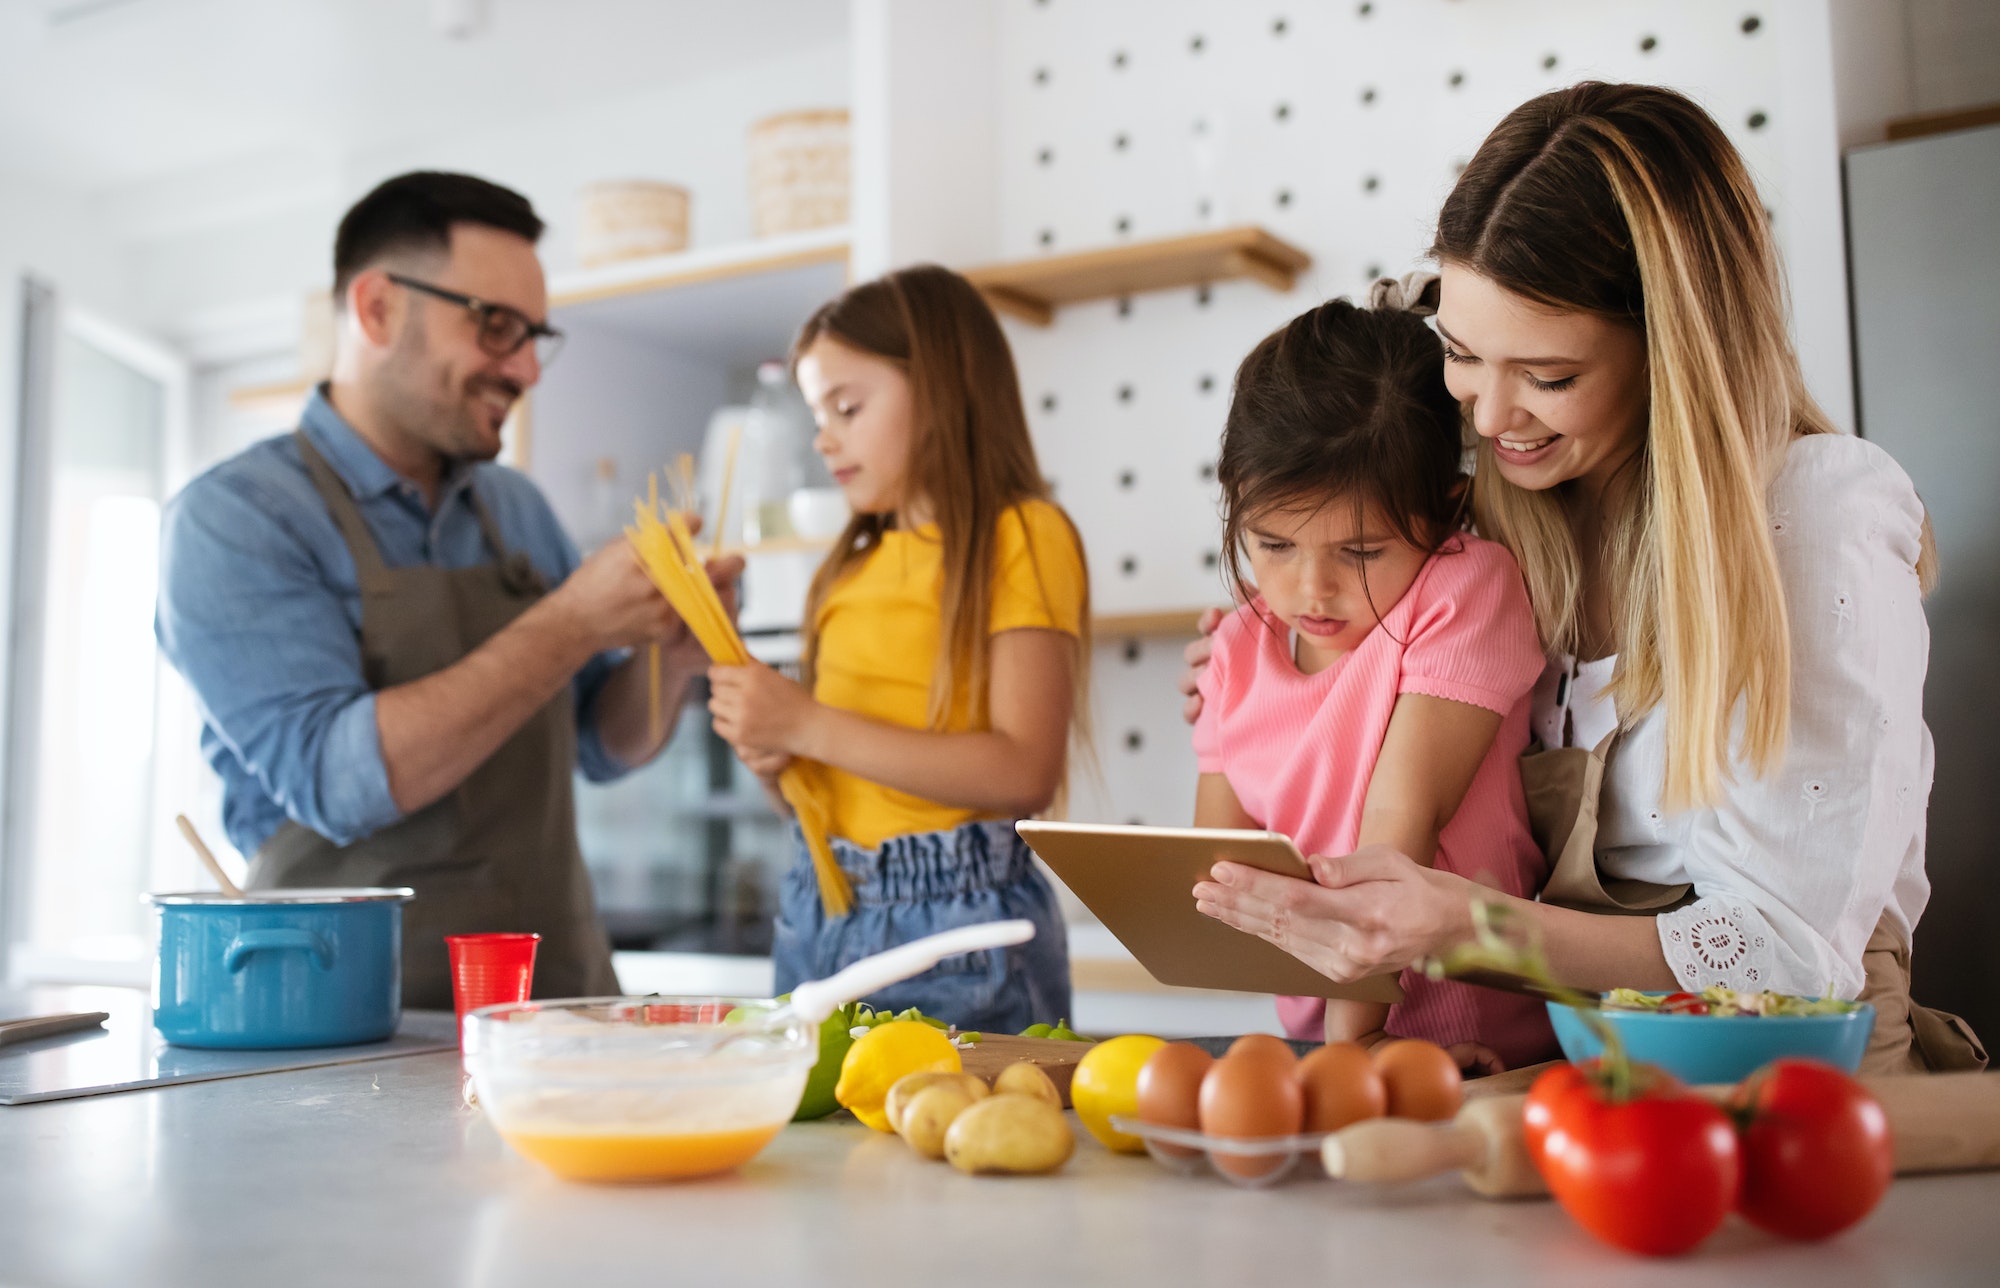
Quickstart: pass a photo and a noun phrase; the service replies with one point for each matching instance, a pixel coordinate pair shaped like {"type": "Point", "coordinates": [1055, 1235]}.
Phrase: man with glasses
{"type": "Point", "coordinates": [399, 657]}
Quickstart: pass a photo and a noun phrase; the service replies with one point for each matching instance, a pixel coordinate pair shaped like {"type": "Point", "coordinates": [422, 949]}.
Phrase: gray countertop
{"type": "Point", "coordinates": [127, 1052]}
{"type": "Point", "coordinates": [378, 1174]}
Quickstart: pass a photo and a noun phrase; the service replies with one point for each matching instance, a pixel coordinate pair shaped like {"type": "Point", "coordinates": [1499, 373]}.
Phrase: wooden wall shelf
{"type": "Point", "coordinates": [1969, 118]}
{"type": "Point", "coordinates": [1031, 289]}
{"type": "Point", "coordinates": [253, 397]}
{"type": "Point", "coordinates": [1174, 624]}
{"type": "Point", "coordinates": [707, 264]}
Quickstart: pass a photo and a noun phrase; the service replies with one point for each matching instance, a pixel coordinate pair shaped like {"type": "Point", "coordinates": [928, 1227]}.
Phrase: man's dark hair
{"type": "Point", "coordinates": [415, 212]}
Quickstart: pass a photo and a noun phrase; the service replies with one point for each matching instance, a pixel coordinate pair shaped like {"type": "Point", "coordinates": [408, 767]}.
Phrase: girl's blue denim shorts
{"type": "Point", "coordinates": [911, 886]}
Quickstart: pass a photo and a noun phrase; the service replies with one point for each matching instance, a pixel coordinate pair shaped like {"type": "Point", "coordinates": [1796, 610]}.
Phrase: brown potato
{"type": "Point", "coordinates": [1009, 1133]}
{"type": "Point", "coordinates": [929, 1116]}
{"type": "Point", "coordinates": [1025, 1079]}
{"type": "Point", "coordinates": [907, 1086]}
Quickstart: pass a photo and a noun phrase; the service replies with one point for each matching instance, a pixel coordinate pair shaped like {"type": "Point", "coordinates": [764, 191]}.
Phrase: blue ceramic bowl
{"type": "Point", "coordinates": [1720, 1048]}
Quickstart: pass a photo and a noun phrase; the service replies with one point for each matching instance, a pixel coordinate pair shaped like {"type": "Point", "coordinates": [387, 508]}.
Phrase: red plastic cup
{"type": "Point", "coordinates": [487, 970]}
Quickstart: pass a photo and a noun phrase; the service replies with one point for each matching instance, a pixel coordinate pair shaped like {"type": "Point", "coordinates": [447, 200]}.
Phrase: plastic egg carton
{"type": "Point", "coordinates": [1192, 1152]}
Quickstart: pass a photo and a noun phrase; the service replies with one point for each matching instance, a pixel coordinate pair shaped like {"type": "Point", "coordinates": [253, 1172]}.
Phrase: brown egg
{"type": "Point", "coordinates": [1423, 1082]}
{"type": "Point", "coordinates": [1262, 1046]}
{"type": "Point", "coordinates": [1170, 1090]}
{"type": "Point", "coordinates": [1341, 1086]}
{"type": "Point", "coordinates": [1249, 1096]}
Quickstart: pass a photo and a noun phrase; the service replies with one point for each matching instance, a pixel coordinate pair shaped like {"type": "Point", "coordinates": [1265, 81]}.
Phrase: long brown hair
{"type": "Point", "coordinates": [1350, 402]}
{"type": "Point", "coordinates": [970, 458]}
{"type": "Point", "coordinates": [1629, 202]}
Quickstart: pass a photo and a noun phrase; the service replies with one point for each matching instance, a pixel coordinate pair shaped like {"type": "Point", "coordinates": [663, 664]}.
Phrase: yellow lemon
{"type": "Point", "coordinates": [884, 1054]}
{"type": "Point", "coordinates": [1107, 1083]}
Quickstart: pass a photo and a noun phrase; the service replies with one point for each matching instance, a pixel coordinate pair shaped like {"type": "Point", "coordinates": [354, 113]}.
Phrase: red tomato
{"type": "Point", "coordinates": [1683, 1004]}
{"type": "Point", "coordinates": [1817, 1154]}
{"type": "Point", "coordinates": [1545, 1098]}
{"type": "Point", "coordinates": [1655, 1174]}
{"type": "Point", "coordinates": [1555, 1086]}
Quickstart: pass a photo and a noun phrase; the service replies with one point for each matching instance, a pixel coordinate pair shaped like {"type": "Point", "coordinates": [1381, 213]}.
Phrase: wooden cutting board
{"type": "Point", "coordinates": [994, 1052]}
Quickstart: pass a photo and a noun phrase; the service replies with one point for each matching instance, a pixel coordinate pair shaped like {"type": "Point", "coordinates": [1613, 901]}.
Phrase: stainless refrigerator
{"type": "Point", "coordinates": [1924, 251]}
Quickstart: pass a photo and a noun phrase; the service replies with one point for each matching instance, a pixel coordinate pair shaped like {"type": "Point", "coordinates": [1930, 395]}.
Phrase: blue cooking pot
{"type": "Point", "coordinates": [280, 968]}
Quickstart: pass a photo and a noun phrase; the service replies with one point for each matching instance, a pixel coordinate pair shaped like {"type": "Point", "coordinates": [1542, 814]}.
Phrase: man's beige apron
{"type": "Point", "coordinates": [500, 852]}
{"type": "Point", "coordinates": [1563, 787]}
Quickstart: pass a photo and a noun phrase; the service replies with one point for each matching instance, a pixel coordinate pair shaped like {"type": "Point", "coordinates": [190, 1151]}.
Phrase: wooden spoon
{"type": "Point", "coordinates": [207, 857]}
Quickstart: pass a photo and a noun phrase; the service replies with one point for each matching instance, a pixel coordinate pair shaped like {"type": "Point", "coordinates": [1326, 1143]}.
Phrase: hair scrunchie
{"type": "Point", "coordinates": [1414, 292]}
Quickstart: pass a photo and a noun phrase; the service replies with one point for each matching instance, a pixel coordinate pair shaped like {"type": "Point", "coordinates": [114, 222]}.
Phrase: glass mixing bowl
{"type": "Point", "coordinates": [639, 1088]}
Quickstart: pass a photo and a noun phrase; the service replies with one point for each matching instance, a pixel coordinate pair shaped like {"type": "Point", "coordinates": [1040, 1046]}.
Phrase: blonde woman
{"type": "Point", "coordinates": [1729, 591]}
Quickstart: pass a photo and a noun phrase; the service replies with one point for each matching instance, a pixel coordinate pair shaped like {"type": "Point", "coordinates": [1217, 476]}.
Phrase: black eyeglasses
{"type": "Point", "coordinates": [502, 329]}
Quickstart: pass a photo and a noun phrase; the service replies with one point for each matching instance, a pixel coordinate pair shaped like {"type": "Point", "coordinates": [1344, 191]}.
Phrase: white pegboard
{"type": "Point", "coordinates": [1340, 127]}
{"type": "Point", "coordinates": [1145, 763]}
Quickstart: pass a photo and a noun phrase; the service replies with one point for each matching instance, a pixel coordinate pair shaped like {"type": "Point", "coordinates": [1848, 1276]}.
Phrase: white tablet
{"type": "Point", "coordinates": [1140, 882]}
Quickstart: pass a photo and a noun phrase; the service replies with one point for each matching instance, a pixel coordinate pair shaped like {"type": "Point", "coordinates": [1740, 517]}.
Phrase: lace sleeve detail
{"type": "Point", "coordinates": [1719, 941]}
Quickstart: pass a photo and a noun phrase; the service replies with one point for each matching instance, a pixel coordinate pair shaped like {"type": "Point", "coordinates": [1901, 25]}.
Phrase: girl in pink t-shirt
{"type": "Point", "coordinates": [1375, 687]}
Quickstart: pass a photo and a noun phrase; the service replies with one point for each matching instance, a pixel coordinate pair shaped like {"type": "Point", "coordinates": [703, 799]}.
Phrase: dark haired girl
{"type": "Point", "coordinates": [1374, 688]}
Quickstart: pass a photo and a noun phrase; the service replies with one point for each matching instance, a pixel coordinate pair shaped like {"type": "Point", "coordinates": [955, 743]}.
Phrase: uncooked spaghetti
{"type": "Point", "coordinates": [667, 551]}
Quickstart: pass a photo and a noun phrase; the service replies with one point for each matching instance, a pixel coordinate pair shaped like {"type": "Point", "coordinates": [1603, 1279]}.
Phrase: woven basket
{"type": "Point", "coordinates": [798, 171]}
{"type": "Point", "coordinates": [630, 219]}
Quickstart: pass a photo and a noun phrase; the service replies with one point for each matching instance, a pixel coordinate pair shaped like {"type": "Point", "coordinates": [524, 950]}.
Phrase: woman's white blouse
{"type": "Point", "coordinates": [1792, 871]}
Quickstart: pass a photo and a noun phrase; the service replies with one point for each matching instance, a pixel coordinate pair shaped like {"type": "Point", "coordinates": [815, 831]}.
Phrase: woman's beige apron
{"type": "Point", "coordinates": [1563, 787]}
{"type": "Point", "coordinates": [498, 853]}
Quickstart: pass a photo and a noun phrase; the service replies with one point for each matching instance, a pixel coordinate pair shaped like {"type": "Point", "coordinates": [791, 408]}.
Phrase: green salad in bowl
{"type": "Point", "coordinates": [1725, 1001]}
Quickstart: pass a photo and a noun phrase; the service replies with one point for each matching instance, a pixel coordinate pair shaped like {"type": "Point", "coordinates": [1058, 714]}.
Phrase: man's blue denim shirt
{"type": "Point", "coordinates": [260, 610]}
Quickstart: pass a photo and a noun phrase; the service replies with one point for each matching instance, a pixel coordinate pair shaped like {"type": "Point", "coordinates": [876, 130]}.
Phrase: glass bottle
{"type": "Point", "coordinates": [778, 457]}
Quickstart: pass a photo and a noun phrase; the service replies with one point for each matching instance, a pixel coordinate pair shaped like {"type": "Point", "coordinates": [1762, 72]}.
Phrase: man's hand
{"type": "Point", "coordinates": [757, 710]}
{"type": "Point", "coordinates": [625, 721]}
{"type": "Point", "coordinates": [726, 575]}
{"type": "Point", "coordinates": [435, 731]}
{"type": "Point", "coordinates": [610, 602]}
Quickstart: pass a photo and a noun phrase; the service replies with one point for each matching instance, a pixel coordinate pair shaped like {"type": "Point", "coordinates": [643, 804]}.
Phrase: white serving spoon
{"type": "Point", "coordinates": [816, 999]}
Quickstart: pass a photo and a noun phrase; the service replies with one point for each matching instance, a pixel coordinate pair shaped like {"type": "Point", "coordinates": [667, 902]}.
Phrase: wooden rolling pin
{"type": "Point", "coordinates": [1942, 1122]}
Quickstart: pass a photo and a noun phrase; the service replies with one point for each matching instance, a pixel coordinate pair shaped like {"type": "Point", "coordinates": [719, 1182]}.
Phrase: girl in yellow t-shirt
{"type": "Point", "coordinates": [946, 655]}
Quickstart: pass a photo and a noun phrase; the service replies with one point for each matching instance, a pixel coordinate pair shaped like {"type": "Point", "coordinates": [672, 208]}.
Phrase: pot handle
{"type": "Point", "coordinates": [264, 941]}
